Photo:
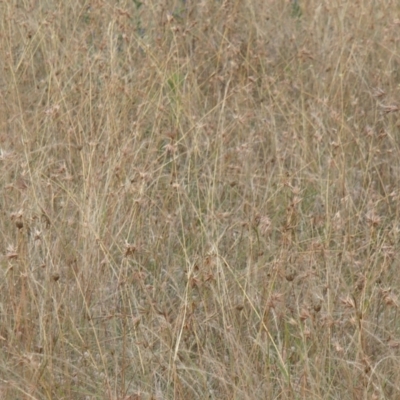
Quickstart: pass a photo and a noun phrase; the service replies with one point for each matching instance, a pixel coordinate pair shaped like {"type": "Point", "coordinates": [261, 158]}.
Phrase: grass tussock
{"type": "Point", "coordinates": [200, 199]}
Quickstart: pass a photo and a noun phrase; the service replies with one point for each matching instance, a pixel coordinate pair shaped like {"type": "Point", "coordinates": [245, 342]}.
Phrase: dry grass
{"type": "Point", "coordinates": [200, 199]}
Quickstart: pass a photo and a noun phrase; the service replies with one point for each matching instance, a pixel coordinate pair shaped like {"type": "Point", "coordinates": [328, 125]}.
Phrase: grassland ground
{"type": "Point", "coordinates": [199, 199]}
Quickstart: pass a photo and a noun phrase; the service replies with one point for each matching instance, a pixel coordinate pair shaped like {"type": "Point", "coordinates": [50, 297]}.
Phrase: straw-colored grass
{"type": "Point", "coordinates": [199, 199]}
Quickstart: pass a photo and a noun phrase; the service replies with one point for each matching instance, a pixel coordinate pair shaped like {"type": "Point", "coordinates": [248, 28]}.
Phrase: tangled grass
{"type": "Point", "coordinates": [199, 199]}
